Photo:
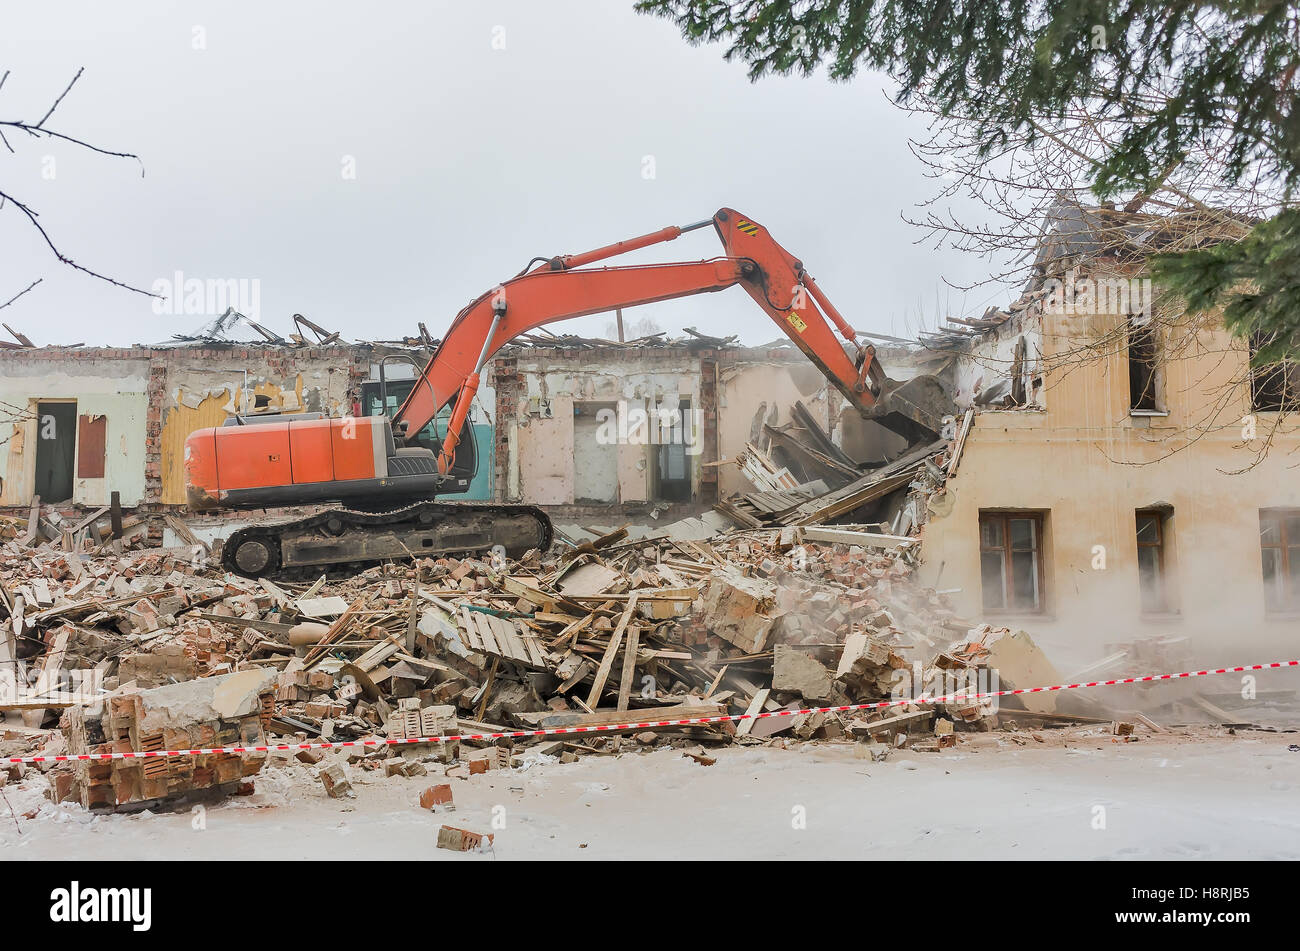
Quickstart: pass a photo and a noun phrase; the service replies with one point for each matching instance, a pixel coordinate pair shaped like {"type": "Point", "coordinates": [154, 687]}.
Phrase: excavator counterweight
{"type": "Point", "coordinates": [388, 481]}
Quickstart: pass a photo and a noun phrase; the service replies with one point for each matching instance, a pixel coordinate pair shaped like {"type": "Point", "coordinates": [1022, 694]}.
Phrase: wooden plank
{"type": "Point", "coordinates": [470, 629]}
{"type": "Point", "coordinates": [336, 631]}
{"type": "Point", "coordinates": [716, 680]}
{"type": "Point", "coordinates": [629, 666]}
{"type": "Point", "coordinates": [611, 651]}
{"type": "Point", "coordinates": [183, 532]}
{"type": "Point", "coordinates": [485, 633]}
{"type": "Point", "coordinates": [268, 627]}
{"type": "Point", "coordinates": [571, 632]}
{"type": "Point", "coordinates": [1149, 723]}
{"type": "Point", "coordinates": [1218, 713]}
{"type": "Point", "coordinates": [614, 717]}
{"type": "Point", "coordinates": [755, 705]}
{"type": "Point", "coordinates": [960, 442]}
{"type": "Point", "coordinates": [90, 519]}
{"type": "Point", "coordinates": [535, 656]}
{"type": "Point", "coordinates": [840, 536]}
{"type": "Point", "coordinates": [889, 724]}
{"type": "Point", "coordinates": [9, 635]}
{"type": "Point", "coordinates": [487, 689]}
{"type": "Point", "coordinates": [507, 639]}
{"type": "Point", "coordinates": [33, 533]}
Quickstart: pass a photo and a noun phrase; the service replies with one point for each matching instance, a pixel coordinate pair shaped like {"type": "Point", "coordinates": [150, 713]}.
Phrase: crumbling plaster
{"type": "Point", "coordinates": [1091, 464]}
{"type": "Point", "coordinates": [113, 388]}
{"type": "Point", "coordinates": [542, 461]}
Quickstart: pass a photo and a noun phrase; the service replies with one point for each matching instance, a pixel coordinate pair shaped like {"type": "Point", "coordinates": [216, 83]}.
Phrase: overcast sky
{"type": "Point", "coordinates": [375, 165]}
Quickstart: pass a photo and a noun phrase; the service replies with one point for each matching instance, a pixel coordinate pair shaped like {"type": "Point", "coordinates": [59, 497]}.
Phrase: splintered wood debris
{"type": "Point", "coordinates": [782, 613]}
{"type": "Point", "coordinates": [611, 632]}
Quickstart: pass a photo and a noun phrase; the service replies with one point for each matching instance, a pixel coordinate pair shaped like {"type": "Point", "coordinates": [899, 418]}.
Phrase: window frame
{"type": "Point", "coordinates": [1161, 518]}
{"type": "Point", "coordinates": [1142, 332]}
{"type": "Point", "coordinates": [1039, 549]}
{"type": "Point", "coordinates": [1265, 380]}
{"type": "Point", "coordinates": [1283, 546]}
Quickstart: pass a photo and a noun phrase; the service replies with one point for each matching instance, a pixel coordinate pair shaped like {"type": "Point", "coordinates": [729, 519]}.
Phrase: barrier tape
{"type": "Point", "coordinates": [616, 727]}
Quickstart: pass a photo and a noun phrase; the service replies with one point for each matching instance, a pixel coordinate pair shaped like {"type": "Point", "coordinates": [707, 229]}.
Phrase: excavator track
{"type": "Point", "coordinates": [343, 539]}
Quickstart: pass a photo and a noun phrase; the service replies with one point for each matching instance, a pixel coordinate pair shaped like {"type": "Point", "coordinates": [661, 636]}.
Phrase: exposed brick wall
{"type": "Point", "coordinates": [165, 375]}
{"type": "Point", "coordinates": [153, 432]}
{"type": "Point", "coordinates": [509, 384]}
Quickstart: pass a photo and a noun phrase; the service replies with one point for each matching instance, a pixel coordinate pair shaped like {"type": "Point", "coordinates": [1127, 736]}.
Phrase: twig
{"type": "Point", "coordinates": [31, 216]}
{"type": "Point", "coordinates": [61, 95]}
{"type": "Point", "coordinates": [12, 814]}
{"type": "Point", "coordinates": [21, 293]}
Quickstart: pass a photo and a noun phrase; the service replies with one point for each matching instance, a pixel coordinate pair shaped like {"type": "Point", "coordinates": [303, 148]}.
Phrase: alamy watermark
{"type": "Point", "coordinates": [20, 683]}
{"type": "Point", "coordinates": [960, 686]}
{"type": "Point", "coordinates": [1098, 296]}
{"type": "Point", "coordinates": [179, 295]}
{"type": "Point", "coordinates": [662, 425]}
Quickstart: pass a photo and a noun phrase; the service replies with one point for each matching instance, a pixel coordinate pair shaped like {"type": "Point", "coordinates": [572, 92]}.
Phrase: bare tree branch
{"type": "Point", "coordinates": [36, 131]}
{"type": "Point", "coordinates": [61, 95]}
{"type": "Point", "coordinates": [21, 293]}
{"type": "Point", "coordinates": [31, 216]}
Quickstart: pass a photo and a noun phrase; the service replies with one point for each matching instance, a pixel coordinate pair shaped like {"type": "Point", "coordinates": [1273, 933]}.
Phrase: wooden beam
{"type": "Point", "coordinates": [755, 705]}
{"type": "Point", "coordinates": [614, 717]}
{"type": "Point", "coordinates": [629, 666]}
{"type": "Point", "coordinates": [607, 662]}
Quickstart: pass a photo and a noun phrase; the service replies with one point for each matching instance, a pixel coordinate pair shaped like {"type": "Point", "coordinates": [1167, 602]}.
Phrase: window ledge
{"type": "Point", "coordinates": [1158, 616]}
{"type": "Point", "coordinates": [1282, 616]}
{"type": "Point", "coordinates": [1148, 412]}
{"type": "Point", "coordinates": [1021, 616]}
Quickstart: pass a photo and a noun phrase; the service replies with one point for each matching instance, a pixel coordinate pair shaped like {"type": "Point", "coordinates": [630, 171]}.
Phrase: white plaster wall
{"type": "Point", "coordinates": [745, 389]}
{"type": "Point", "coordinates": [990, 358]}
{"type": "Point", "coordinates": [547, 456]}
{"type": "Point", "coordinates": [116, 389]}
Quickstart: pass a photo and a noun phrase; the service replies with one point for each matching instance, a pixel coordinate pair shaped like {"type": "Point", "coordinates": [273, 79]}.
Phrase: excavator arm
{"type": "Point", "coordinates": [563, 287]}
{"type": "Point", "coordinates": [300, 459]}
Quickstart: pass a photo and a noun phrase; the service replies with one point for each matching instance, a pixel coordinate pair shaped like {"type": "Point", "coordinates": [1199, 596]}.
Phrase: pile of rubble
{"type": "Point", "coordinates": [129, 652]}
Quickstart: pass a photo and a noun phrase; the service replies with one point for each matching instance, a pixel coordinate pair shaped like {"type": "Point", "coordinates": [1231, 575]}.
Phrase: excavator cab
{"type": "Point", "coordinates": [429, 444]}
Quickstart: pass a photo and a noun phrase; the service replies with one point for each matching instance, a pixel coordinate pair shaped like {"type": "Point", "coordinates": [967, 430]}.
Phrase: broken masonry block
{"type": "Point", "coordinates": [439, 795]}
{"type": "Point", "coordinates": [462, 840]}
{"type": "Point", "coordinates": [796, 671]}
{"type": "Point", "coordinates": [335, 781]}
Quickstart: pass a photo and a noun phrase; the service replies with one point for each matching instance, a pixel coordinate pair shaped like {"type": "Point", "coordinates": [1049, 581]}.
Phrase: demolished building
{"type": "Point", "coordinates": [732, 543]}
{"type": "Point", "coordinates": [1124, 473]}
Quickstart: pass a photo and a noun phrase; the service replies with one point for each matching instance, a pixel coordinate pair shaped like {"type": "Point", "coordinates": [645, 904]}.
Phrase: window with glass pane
{"type": "Point", "coordinates": [1151, 532]}
{"type": "Point", "coordinates": [1279, 544]}
{"type": "Point", "coordinates": [1011, 568]}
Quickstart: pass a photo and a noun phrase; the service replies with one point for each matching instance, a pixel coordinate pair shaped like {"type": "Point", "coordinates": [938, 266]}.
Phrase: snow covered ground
{"type": "Point", "coordinates": [1076, 794]}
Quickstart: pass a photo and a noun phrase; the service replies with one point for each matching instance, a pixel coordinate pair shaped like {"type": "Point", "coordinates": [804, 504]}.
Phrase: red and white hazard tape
{"type": "Point", "coordinates": [638, 724]}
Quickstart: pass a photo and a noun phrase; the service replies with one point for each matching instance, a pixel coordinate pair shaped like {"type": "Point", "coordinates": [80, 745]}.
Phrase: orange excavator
{"type": "Point", "coordinates": [389, 487]}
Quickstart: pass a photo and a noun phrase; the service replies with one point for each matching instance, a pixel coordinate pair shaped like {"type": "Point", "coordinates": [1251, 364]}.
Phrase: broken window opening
{"type": "Point", "coordinates": [1011, 561]}
{"type": "Point", "coordinates": [1274, 388]}
{"type": "Point", "coordinates": [1279, 543]}
{"type": "Point", "coordinates": [56, 450]}
{"type": "Point", "coordinates": [670, 460]}
{"type": "Point", "coordinates": [1152, 533]}
{"type": "Point", "coordinates": [1143, 365]}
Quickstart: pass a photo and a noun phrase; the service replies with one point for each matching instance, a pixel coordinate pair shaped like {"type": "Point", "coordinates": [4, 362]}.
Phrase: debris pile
{"type": "Point", "coordinates": [230, 710]}
{"type": "Point", "coordinates": [612, 631]}
{"type": "Point", "coordinates": [808, 480]}
{"type": "Point", "coordinates": [783, 613]}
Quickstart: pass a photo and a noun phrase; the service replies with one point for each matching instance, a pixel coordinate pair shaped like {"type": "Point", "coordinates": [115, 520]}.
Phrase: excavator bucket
{"type": "Point", "coordinates": [913, 408]}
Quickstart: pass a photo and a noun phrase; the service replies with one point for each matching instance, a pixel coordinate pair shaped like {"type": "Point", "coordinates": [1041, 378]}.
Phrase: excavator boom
{"type": "Point", "coordinates": [368, 463]}
{"type": "Point", "coordinates": [563, 287]}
